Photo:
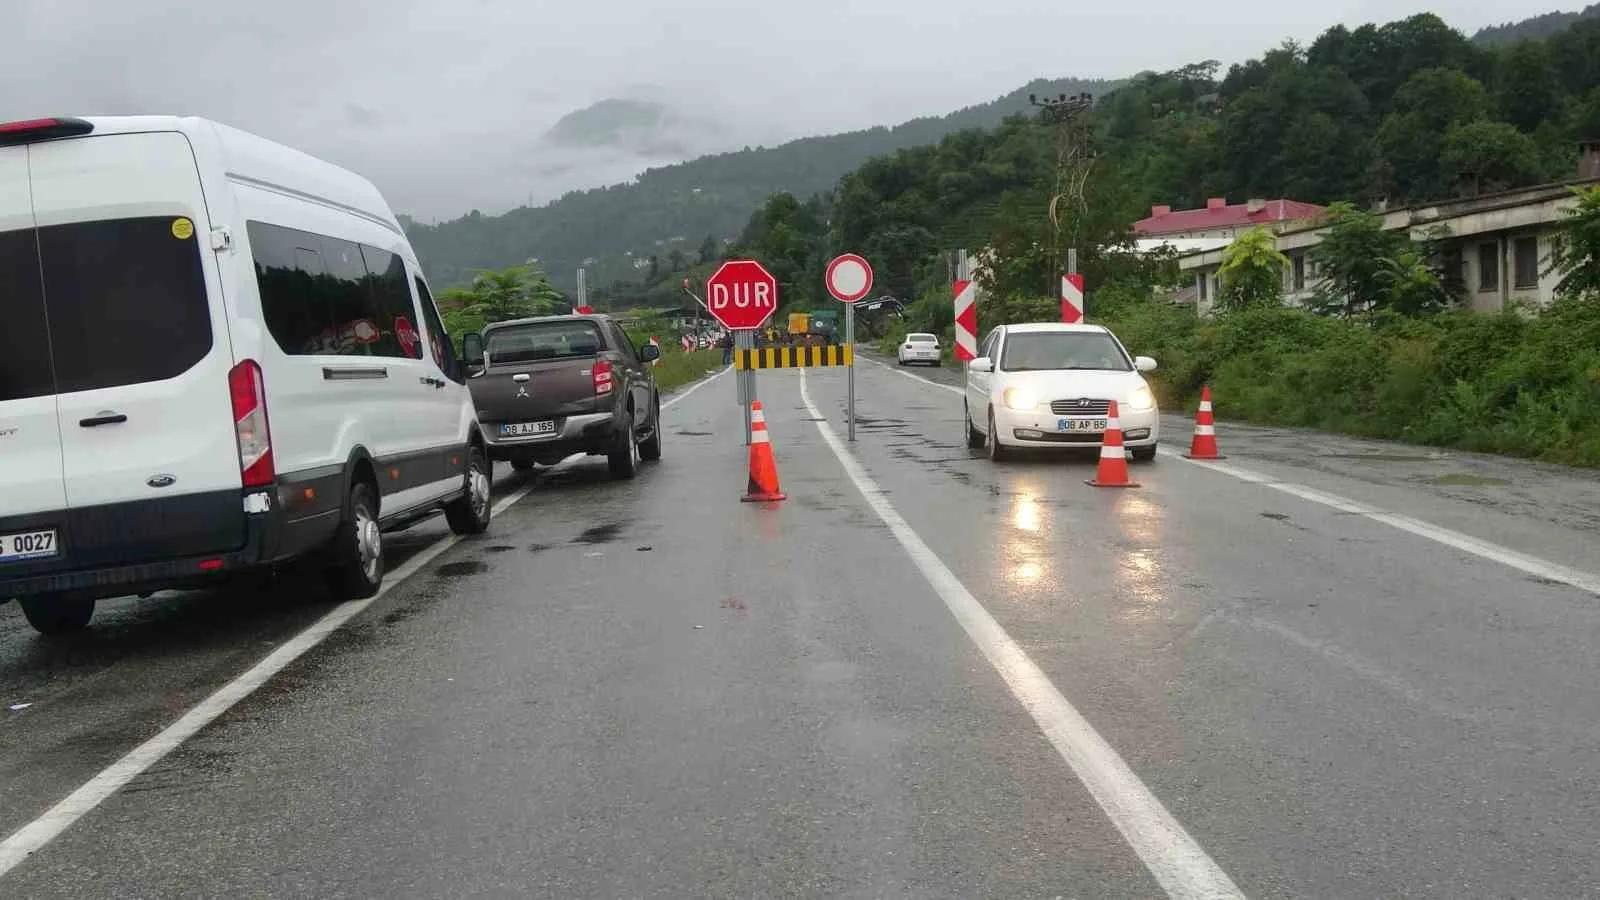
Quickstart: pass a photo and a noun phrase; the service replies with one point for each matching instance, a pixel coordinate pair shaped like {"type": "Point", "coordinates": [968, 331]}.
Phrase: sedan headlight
{"type": "Point", "coordinates": [1142, 399]}
{"type": "Point", "coordinates": [1019, 399]}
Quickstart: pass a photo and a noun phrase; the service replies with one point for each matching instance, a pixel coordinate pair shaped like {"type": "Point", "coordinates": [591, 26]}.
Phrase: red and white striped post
{"type": "Point", "coordinates": [1072, 298]}
{"type": "Point", "coordinates": [966, 320]}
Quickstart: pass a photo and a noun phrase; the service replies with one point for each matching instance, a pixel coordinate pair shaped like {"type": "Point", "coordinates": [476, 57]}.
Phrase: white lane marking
{"type": "Point", "coordinates": [41, 831]}
{"type": "Point", "coordinates": [1532, 565]}
{"type": "Point", "coordinates": [1174, 858]}
{"type": "Point", "coordinates": [681, 395]}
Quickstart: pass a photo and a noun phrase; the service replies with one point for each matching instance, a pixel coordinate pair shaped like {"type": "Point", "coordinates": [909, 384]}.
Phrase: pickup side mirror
{"type": "Point", "coordinates": [981, 364]}
{"type": "Point", "coordinates": [650, 353]}
{"type": "Point", "coordinates": [472, 351]}
{"type": "Point", "coordinates": [1144, 364]}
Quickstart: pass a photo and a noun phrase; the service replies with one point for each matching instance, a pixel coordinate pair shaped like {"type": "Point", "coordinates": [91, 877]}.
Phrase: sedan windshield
{"type": "Point", "coordinates": [1044, 351]}
{"type": "Point", "coordinates": [543, 340]}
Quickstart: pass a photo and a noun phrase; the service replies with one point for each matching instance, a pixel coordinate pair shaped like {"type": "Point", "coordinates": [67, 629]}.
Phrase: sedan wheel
{"type": "Point", "coordinates": [997, 451]}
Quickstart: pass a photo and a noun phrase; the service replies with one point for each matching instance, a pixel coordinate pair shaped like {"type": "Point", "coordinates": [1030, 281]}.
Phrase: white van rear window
{"type": "Point", "coordinates": [123, 302]}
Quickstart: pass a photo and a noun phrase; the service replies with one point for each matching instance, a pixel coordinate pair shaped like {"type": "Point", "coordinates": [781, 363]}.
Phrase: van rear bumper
{"type": "Point", "coordinates": [183, 567]}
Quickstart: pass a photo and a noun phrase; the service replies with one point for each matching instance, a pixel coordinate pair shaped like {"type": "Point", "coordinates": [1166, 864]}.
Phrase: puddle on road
{"type": "Point", "coordinates": [599, 534]}
{"type": "Point", "coordinates": [1277, 517]}
{"type": "Point", "coordinates": [498, 548]}
{"type": "Point", "coordinates": [538, 548]}
{"type": "Point", "coordinates": [1467, 479]}
{"type": "Point", "coordinates": [693, 433]}
{"type": "Point", "coordinates": [461, 569]}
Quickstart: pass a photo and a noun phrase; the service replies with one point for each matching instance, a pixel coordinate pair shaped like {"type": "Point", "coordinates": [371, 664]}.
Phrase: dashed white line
{"type": "Point", "coordinates": [57, 819]}
{"type": "Point", "coordinates": [1516, 559]}
{"type": "Point", "coordinates": [1173, 857]}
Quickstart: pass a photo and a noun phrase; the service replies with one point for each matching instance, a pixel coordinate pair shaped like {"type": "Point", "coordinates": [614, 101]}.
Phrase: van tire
{"type": "Point", "coordinates": [650, 447]}
{"type": "Point", "coordinates": [357, 547]}
{"type": "Point", "coordinates": [470, 513]}
{"type": "Point", "coordinates": [624, 459]}
{"type": "Point", "coordinates": [53, 615]}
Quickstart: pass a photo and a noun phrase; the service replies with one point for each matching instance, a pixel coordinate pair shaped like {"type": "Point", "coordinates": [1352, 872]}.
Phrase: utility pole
{"type": "Point", "coordinates": [1074, 160]}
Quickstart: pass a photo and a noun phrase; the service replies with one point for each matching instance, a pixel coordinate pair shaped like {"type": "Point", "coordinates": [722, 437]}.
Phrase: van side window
{"type": "Point", "coordinates": [444, 352]}
{"type": "Point", "coordinates": [24, 338]}
{"type": "Point", "coordinates": [391, 301]}
{"type": "Point", "coordinates": [127, 301]}
{"type": "Point", "coordinates": [326, 296]}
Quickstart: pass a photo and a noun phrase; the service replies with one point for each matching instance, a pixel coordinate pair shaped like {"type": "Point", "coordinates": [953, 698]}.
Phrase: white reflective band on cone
{"type": "Point", "coordinates": [1205, 429]}
{"type": "Point", "coordinates": [1205, 406]}
{"type": "Point", "coordinates": [1109, 452]}
{"type": "Point", "coordinates": [759, 436]}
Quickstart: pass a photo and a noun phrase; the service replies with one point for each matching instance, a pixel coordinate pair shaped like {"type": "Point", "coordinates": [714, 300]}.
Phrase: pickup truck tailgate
{"type": "Point", "coordinates": [522, 392]}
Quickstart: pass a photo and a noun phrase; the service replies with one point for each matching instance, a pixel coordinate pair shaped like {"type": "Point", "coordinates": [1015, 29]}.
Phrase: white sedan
{"type": "Point", "coordinates": [922, 348]}
{"type": "Point", "coordinates": [1050, 385]}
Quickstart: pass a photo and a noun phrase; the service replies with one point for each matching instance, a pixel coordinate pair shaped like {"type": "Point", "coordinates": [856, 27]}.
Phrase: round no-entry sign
{"type": "Point", "coordinates": [849, 278]}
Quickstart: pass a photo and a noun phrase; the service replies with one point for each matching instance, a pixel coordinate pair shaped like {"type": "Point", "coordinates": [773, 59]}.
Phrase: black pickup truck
{"type": "Point", "coordinates": [550, 387]}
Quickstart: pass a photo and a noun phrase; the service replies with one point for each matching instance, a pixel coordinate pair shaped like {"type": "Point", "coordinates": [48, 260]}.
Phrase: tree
{"type": "Point", "coordinates": [1529, 90]}
{"type": "Point", "coordinates": [1363, 265]}
{"type": "Point", "coordinates": [677, 260]}
{"type": "Point", "coordinates": [498, 295]}
{"type": "Point", "coordinates": [1576, 253]}
{"type": "Point", "coordinates": [1252, 271]}
{"type": "Point", "coordinates": [710, 250]}
{"type": "Point", "coordinates": [1410, 142]}
{"type": "Point", "coordinates": [1490, 156]}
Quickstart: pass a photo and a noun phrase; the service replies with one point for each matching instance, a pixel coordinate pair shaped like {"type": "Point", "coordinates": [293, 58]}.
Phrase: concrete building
{"type": "Point", "coordinates": [1496, 246]}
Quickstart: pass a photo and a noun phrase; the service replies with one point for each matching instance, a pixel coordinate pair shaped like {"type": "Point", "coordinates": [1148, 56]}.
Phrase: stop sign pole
{"type": "Point", "coordinates": [742, 295]}
{"type": "Point", "coordinates": [849, 279]}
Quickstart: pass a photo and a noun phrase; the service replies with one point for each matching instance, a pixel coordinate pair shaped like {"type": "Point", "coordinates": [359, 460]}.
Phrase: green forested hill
{"type": "Point", "coordinates": [1536, 27]}
{"type": "Point", "coordinates": [713, 195]}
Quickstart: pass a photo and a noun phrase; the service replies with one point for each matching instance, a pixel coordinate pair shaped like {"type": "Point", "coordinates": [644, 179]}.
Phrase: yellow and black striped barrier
{"type": "Point", "coordinates": [793, 357]}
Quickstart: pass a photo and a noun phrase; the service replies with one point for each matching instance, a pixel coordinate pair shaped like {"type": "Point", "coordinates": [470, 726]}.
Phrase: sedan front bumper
{"type": "Point", "coordinates": [1040, 428]}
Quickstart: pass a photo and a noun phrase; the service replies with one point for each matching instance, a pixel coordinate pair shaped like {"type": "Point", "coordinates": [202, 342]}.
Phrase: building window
{"type": "Point", "coordinates": [1299, 273]}
{"type": "Point", "coordinates": [1204, 293]}
{"type": "Point", "coordinates": [1526, 257]}
{"type": "Point", "coordinates": [1488, 267]}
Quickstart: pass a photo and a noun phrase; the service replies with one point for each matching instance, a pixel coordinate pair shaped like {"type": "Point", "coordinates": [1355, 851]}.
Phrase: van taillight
{"type": "Point", "coordinates": [602, 377]}
{"type": "Point", "coordinates": [248, 390]}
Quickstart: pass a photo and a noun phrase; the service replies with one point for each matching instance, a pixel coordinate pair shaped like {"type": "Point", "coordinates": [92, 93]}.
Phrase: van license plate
{"type": "Point", "coordinates": [1080, 425]}
{"type": "Point", "coordinates": [524, 429]}
{"type": "Point", "coordinates": [27, 545]}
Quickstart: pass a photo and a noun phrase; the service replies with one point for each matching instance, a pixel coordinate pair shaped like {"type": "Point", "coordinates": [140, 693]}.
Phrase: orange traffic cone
{"type": "Point", "coordinates": [1204, 445]}
{"type": "Point", "coordinates": [1113, 471]}
{"type": "Point", "coordinates": [763, 467]}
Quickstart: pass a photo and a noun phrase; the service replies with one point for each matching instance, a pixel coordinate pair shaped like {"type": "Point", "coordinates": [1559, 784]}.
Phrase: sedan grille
{"type": "Point", "coordinates": [1080, 406]}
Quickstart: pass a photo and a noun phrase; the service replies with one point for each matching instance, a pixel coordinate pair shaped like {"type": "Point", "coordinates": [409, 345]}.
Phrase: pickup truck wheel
{"type": "Point", "coordinates": [470, 514]}
{"type": "Point", "coordinates": [51, 615]}
{"type": "Point", "coordinates": [357, 547]}
{"type": "Point", "coordinates": [624, 458]}
{"type": "Point", "coordinates": [650, 447]}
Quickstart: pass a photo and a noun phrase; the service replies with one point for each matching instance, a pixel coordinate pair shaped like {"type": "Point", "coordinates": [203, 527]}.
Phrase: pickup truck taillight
{"type": "Point", "coordinates": [602, 377]}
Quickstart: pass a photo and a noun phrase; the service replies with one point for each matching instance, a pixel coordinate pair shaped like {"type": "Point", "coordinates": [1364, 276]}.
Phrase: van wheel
{"type": "Point", "coordinates": [470, 514]}
{"type": "Point", "coordinates": [650, 447]}
{"type": "Point", "coordinates": [624, 459]}
{"type": "Point", "coordinates": [357, 571]}
{"type": "Point", "coordinates": [51, 615]}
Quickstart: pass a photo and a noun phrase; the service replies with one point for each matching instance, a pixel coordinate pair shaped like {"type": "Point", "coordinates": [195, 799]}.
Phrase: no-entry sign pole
{"type": "Point", "coordinates": [849, 279]}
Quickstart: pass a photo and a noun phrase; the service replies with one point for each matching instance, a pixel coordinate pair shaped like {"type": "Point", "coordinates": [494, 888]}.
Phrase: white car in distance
{"type": "Point", "coordinates": [919, 348]}
{"type": "Point", "coordinates": [1050, 385]}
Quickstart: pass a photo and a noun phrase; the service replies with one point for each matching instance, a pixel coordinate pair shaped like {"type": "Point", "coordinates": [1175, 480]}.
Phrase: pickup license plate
{"type": "Point", "coordinates": [27, 545]}
{"type": "Point", "coordinates": [525, 429]}
{"type": "Point", "coordinates": [1080, 425]}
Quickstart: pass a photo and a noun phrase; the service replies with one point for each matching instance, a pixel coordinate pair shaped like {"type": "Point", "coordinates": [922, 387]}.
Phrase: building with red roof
{"type": "Point", "coordinates": [1221, 219]}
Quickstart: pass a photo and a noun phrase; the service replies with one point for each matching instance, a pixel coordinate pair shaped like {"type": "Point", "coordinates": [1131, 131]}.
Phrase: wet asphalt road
{"type": "Point", "coordinates": [652, 690]}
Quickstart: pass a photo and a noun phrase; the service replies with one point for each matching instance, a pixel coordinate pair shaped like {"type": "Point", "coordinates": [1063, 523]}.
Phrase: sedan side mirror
{"type": "Point", "coordinates": [649, 353]}
{"type": "Point", "coordinates": [1144, 364]}
{"type": "Point", "coordinates": [472, 351]}
{"type": "Point", "coordinates": [981, 364]}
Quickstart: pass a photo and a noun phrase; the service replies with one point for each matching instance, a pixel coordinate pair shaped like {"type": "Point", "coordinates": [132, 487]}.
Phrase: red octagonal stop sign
{"type": "Point", "coordinates": [741, 294]}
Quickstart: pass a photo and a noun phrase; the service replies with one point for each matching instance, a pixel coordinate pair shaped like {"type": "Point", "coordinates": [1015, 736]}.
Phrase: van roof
{"type": "Point", "coordinates": [255, 160]}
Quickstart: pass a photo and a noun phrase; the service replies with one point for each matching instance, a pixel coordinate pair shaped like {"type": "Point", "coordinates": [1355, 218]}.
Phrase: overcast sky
{"type": "Point", "coordinates": [441, 103]}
